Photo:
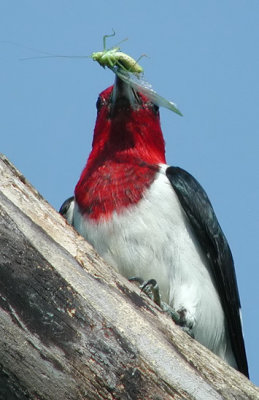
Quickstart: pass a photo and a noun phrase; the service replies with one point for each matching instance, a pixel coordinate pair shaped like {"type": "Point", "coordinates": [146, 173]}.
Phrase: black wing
{"type": "Point", "coordinates": [204, 222]}
{"type": "Point", "coordinates": [67, 209]}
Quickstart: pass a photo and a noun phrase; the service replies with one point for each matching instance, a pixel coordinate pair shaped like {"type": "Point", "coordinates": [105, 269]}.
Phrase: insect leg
{"type": "Point", "coordinates": [110, 62]}
{"type": "Point", "coordinates": [142, 55]}
{"type": "Point", "coordinates": [113, 61]}
{"type": "Point", "coordinates": [119, 64]}
{"type": "Point", "coordinates": [105, 37]}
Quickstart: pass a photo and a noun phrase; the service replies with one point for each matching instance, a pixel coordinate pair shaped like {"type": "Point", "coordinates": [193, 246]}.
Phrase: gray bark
{"type": "Point", "coordinates": [72, 328]}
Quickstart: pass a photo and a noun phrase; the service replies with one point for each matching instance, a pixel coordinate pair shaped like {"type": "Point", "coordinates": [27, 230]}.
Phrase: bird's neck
{"type": "Point", "coordinates": [133, 134]}
{"type": "Point", "coordinates": [123, 163]}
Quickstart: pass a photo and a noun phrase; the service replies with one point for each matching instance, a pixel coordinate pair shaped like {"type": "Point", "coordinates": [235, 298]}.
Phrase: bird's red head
{"type": "Point", "coordinates": [129, 124]}
{"type": "Point", "coordinates": [127, 147]}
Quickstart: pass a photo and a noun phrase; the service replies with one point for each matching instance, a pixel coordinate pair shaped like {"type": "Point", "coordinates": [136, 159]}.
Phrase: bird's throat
{"type": "Point", "coordinates": [112, 187]}
{"type": "Point", "coordinates": [127, 150]}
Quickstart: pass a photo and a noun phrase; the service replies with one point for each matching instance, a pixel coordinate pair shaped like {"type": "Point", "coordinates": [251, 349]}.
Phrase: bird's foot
{"type": "Point", "coordinates": [184, 322]}
{"type": "Point", "coordinates": [151, 289]}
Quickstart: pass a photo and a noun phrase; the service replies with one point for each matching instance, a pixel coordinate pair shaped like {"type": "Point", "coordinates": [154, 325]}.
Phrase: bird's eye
{"type": "Point", "coordinates": [155, 108]}
{"type": "Point", "coordinates": [99, 104]}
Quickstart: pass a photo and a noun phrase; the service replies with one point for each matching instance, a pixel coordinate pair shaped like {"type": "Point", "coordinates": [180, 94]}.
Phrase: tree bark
{"type": "Point", "coordinates": [72, 328]}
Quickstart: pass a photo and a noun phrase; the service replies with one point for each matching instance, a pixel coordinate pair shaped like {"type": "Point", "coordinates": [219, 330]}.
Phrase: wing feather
{"type": "Point", "coordinates": [203, 220]}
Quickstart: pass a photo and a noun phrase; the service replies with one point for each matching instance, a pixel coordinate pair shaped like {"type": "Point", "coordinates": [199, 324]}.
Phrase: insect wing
{"type": "Point", "coordinates": [144, 87]}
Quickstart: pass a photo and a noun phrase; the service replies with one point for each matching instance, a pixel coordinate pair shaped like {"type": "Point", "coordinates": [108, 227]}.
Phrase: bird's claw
{"type": "Point", "coordinates": [185, 323]}
{"type": "Point", "coordinates": [151, 289]}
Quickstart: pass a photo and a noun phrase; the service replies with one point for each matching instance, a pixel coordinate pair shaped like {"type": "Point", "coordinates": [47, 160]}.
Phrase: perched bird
{"type": "Point", "coordinates": [154, 221]}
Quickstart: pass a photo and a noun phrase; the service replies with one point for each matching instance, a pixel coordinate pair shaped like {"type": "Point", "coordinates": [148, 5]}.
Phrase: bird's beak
{"type": "Point", "coordinates": [123, 95]}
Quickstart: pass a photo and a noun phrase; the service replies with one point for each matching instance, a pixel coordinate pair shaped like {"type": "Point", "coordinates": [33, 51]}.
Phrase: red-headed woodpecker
{"type": "Point", "coordinates": [154, 221]}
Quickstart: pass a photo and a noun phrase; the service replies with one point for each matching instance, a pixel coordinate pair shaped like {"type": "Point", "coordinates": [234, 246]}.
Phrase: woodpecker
{"type": "Point", "coordinates": [155, 221]}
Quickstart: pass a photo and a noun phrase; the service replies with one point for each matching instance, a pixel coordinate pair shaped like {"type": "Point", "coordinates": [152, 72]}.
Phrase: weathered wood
{"type": "Point", "coordinates": [72, 328]}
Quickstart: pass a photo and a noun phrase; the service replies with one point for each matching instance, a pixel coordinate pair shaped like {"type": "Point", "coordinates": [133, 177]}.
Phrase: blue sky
{"type": "Point", "coordinates": [203, 55]}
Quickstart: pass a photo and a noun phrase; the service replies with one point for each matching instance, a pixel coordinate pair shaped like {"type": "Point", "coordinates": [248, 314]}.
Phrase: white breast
{"type": "Point", "coordinates": [153, 239]}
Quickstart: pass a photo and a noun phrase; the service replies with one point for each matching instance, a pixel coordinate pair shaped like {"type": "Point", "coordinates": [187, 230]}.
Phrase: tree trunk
{"type": "Point", "coordinates": [72, 328]}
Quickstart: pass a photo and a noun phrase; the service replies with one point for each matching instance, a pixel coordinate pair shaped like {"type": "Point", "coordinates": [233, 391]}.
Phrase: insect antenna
{"type": "Point", "coordinates": [47, 54]}
{"type": "Point", "coordinates": [52, 56]}
{"type": "Point", "coordinates": [26, 47]}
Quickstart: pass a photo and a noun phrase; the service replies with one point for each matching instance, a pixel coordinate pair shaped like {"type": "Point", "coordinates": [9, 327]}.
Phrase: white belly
{"type": "Point", "coordinates": [153, 239]}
